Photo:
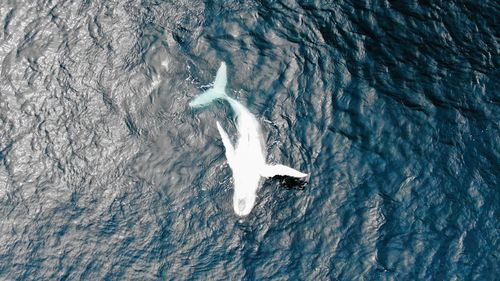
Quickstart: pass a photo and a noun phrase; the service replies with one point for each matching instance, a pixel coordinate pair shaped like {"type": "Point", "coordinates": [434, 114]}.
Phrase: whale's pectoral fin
{"type": "Point", "coordinates": [270, 171]}
{"type": "Point", "coordinates": [227, 145]}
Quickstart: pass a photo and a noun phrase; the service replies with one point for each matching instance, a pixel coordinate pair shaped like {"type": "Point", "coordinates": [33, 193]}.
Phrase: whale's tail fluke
{"type": "Point", "coordinates": [218, 91]}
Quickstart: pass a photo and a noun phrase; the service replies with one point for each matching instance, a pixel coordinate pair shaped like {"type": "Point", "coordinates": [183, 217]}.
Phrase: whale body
{"type": "Point", "coordinates": [247, 158]}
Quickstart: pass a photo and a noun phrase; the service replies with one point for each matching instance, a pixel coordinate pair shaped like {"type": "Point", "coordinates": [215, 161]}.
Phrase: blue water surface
{"type": "Point", "coordinates": [392, 107]}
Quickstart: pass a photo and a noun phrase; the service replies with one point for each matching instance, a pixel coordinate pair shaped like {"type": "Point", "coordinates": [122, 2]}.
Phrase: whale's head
{"type": "Point", "coordinates": [243, 205]}
{"type": "Point", "coordinates": [245, 190]}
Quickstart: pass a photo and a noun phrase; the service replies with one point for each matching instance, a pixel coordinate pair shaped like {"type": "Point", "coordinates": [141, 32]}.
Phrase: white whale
{"type": "Point", "coordinates": [247, 158]}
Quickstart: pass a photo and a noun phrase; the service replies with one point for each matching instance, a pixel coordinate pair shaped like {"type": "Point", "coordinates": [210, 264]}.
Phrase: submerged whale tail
{"type": "Point", "coordinates": [218, 91]}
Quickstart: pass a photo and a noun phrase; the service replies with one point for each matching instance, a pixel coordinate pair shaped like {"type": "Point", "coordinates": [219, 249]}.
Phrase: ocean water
{"type": "Point", "coordinates": [392, 107]}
